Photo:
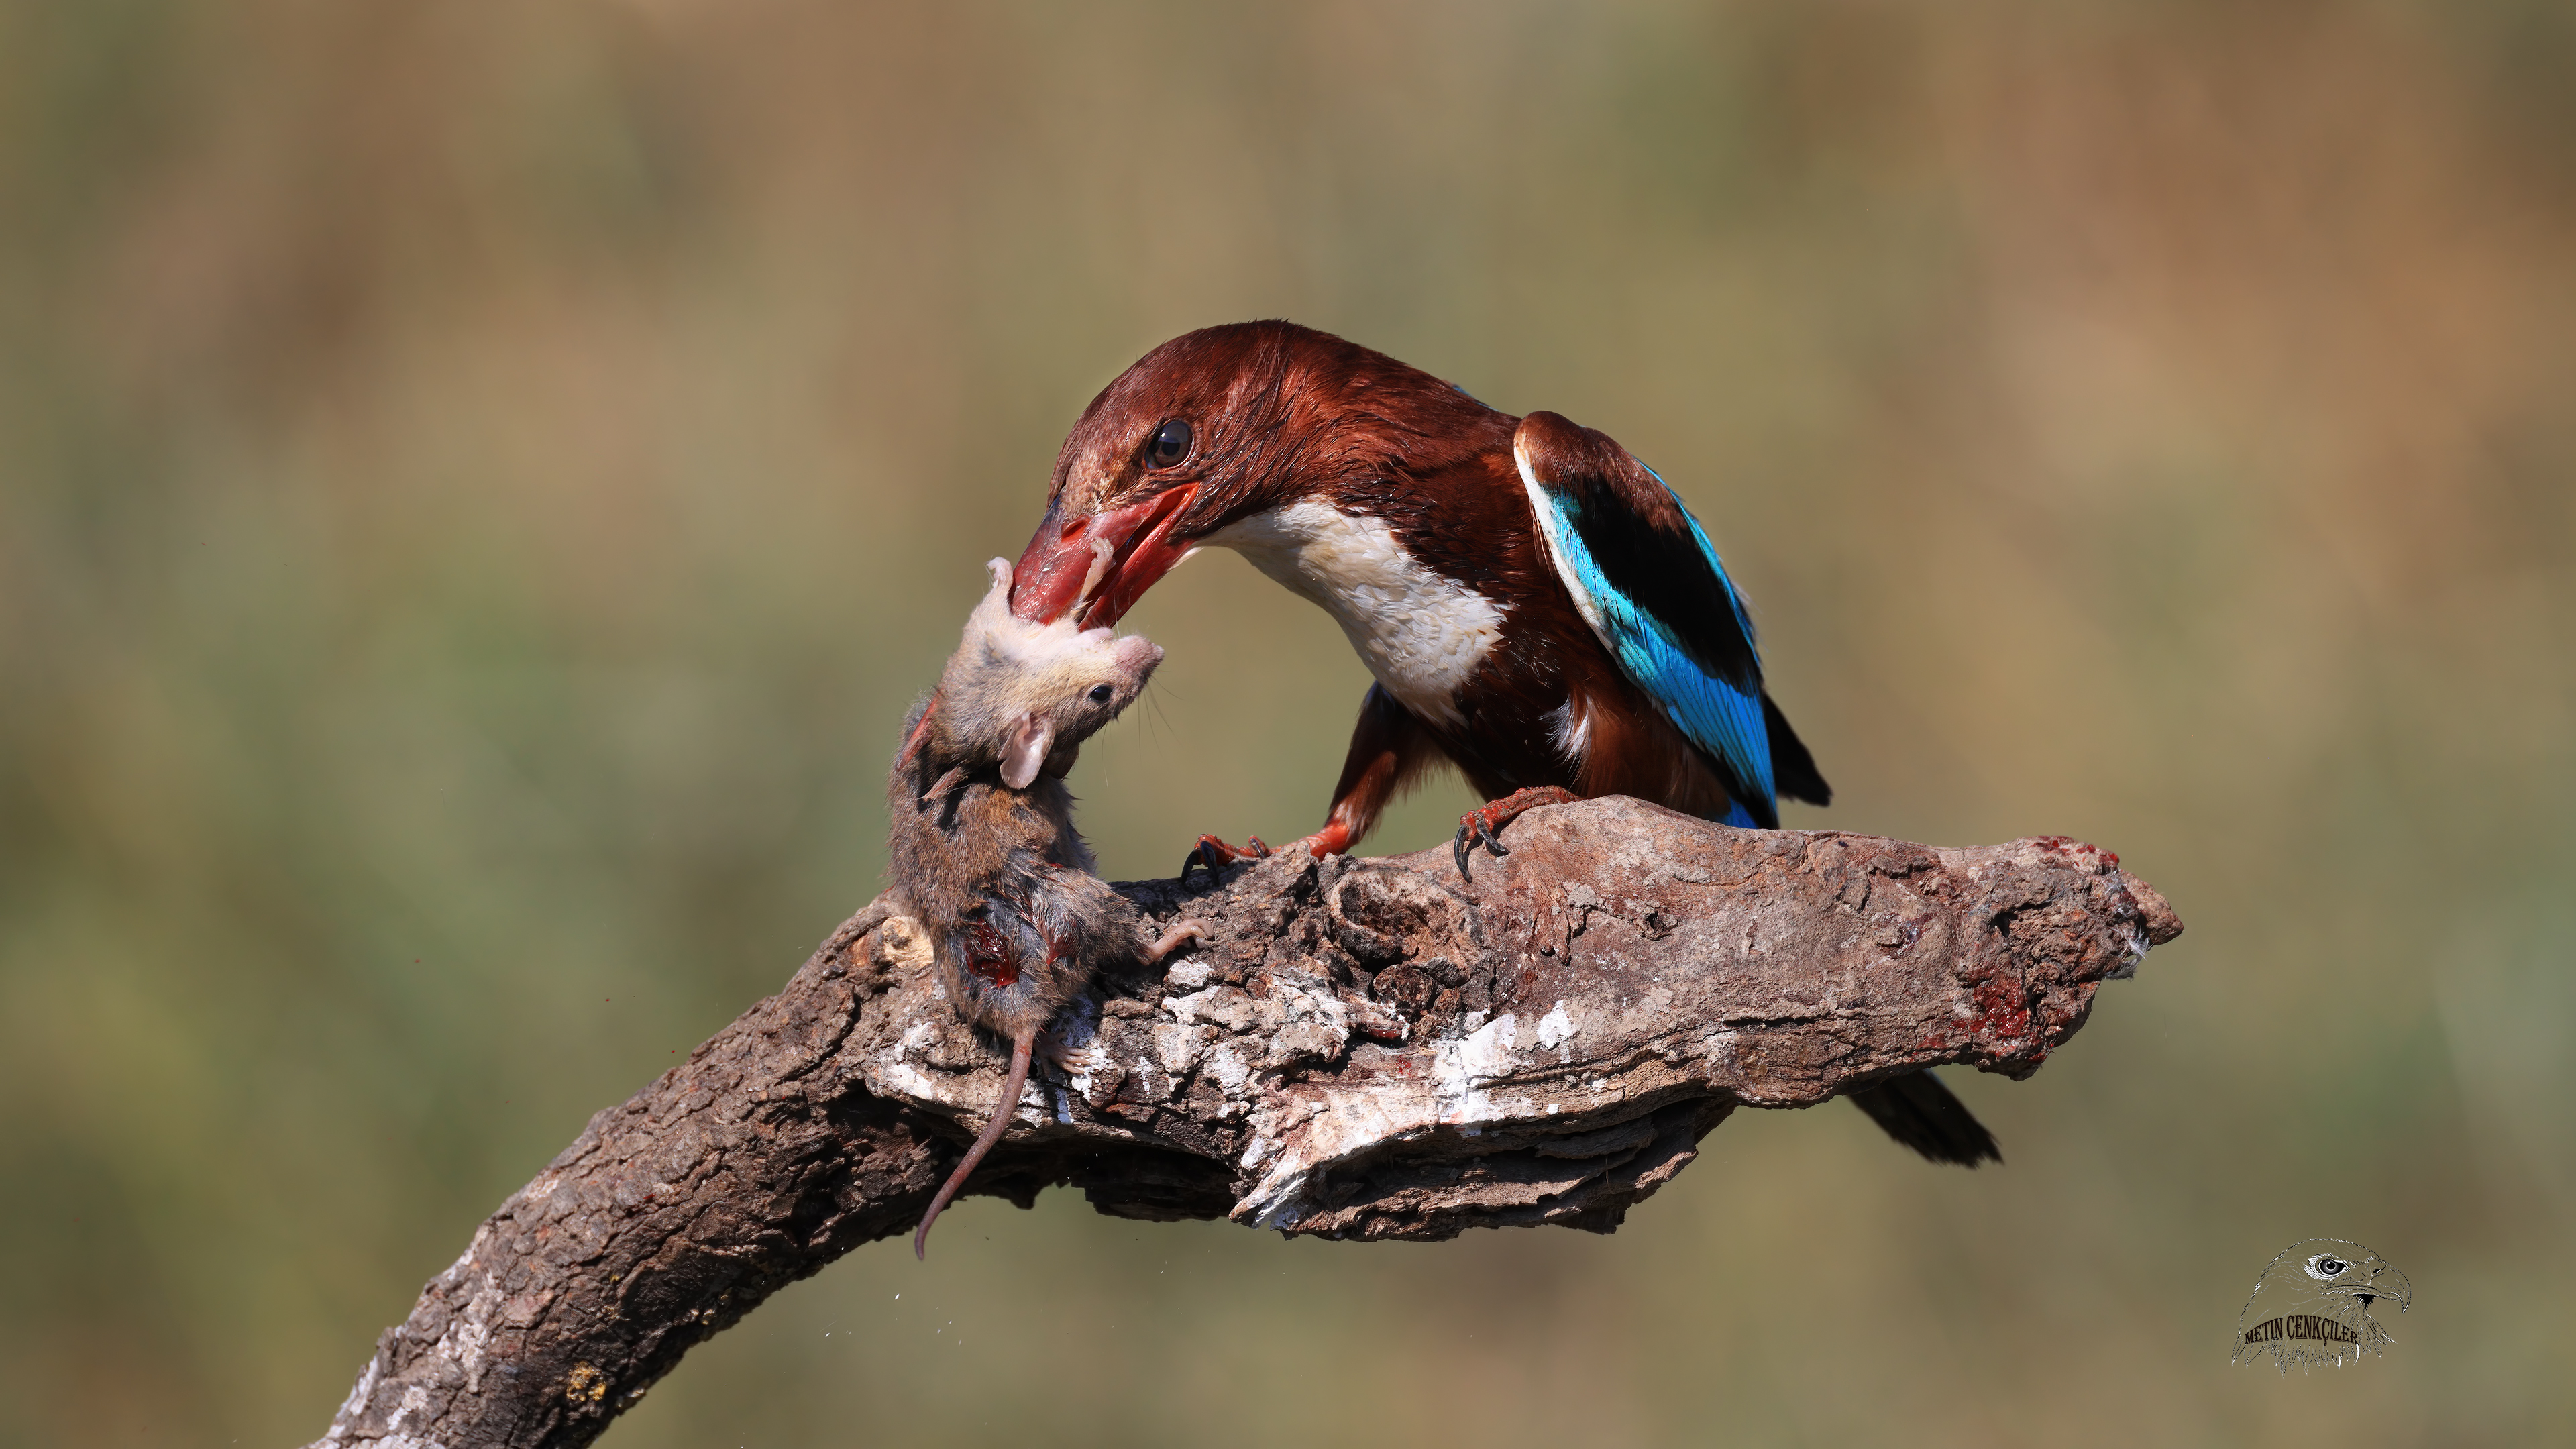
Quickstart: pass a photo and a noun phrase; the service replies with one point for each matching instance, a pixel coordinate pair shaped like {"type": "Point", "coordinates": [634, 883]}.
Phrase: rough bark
{"type": "Point", "coordinates": [1365, 1049]}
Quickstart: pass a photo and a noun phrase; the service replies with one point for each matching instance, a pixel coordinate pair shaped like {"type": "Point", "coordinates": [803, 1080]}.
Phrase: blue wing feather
{"type": "Point", "coordinates": [1719, 716]}
{"type": "Point", "coordinates": [1670, 659]}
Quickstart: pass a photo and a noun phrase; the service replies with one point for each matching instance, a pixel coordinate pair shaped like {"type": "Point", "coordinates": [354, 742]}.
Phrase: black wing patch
{"type": "Point", "coordinates": [1667, 575]}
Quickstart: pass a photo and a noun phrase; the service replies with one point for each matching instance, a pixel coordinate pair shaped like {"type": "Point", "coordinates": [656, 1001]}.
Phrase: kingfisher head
{"type": "Point", "coordinates": [1212, 427]}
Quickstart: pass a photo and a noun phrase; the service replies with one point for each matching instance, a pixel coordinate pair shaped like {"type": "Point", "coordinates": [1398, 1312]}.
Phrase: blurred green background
{"type": "Point", "coordinates": [480, 483]}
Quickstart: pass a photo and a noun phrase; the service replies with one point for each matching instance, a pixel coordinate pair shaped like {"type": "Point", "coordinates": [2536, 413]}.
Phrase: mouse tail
{"type": "Point", "coordinates": [1021, 1048]}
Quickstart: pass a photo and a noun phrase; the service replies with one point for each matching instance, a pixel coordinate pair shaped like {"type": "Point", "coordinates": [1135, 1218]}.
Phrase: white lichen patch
{"type": "Point", "coordinates": [1555, 1028]}
{"type": "Point", "coordinates": [1176, 1046]}
{"type": "Point", "coordinates": [356, 1404]}
{"type": "Point", "coordinates": [910, 1084]}
{"type": "Point", "coordinates": [415, 1400]}
{"type": "Point", "coordinates": [1334, 1129]}
{"type": "Point", "coordinates": [1229, 1007]}
{"type": "Point", "coordinates": [470, 1332]}
{"type": "Point", "coordinates": [1227, 1064]}
{"type": "Point", "coordinates": [1258, 1148]}
{"type": "Point", "coordinates": [1460, 1068]}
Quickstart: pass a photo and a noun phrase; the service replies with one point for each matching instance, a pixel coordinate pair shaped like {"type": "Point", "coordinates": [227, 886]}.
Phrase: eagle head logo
{"type": "Point", "coordinates": [2312, 1306]}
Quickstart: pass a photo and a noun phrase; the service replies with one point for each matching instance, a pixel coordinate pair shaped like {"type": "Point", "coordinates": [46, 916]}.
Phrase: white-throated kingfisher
{"type": "Point", "coordinates": [1537, 607]}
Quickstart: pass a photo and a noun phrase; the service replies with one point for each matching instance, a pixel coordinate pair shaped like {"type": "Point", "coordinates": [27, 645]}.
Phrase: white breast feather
{"type": "Point", "coordinates": [1420, 632]}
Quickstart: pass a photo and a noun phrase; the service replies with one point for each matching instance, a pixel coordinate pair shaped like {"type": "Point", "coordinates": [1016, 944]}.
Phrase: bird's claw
{"type": "Point", "coordinates": [1215, 854]}
{"type": "Point", "coordinates": [1482, 826]}
{"type": "Point", "coordinates": [1474, 830]}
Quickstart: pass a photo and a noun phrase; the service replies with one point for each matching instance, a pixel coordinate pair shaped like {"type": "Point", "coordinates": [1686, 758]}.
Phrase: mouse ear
{"type": "Point", "coordinates": [1027, 749]}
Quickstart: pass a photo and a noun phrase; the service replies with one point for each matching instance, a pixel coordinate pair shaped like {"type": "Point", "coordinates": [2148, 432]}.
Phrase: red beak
{"type": "Point", "coordinates": [1096, 566]}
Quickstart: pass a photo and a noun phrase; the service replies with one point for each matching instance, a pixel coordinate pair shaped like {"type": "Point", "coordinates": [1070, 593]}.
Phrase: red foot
{"type": "Point", "coordinates": [1215, 854]}
{"type": "Point", "coordinates": [1333, 839]}
{"type": "Point", "coordinates": [1478, 826]}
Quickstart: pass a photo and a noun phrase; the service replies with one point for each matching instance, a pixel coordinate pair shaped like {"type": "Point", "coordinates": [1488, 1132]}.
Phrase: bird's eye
{"type": "Point", "coordinates": [1100, 693]}
{"type": "Point", "coordinates": [2326, 1265]}
{"type": "Point", "coordinates": [1171, 443]}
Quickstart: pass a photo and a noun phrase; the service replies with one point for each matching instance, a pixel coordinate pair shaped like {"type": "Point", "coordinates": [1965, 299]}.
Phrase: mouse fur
{"type": "Point", "coordinates": [983, 849]}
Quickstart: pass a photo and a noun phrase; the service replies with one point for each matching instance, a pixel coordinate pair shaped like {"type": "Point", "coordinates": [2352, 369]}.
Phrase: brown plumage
{"type": "Point", "coordinates": [1283, 415]}
{"type": "Point", "coordinates": [983, 851]}
{"type": "Point", "coordinates": [1419, 519]}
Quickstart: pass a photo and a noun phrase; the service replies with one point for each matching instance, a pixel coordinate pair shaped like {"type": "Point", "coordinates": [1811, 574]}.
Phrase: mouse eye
{"type": "Point", "coordinates": [1171, 443]}
{"type": "Point", "coordinates": [1100, 693]}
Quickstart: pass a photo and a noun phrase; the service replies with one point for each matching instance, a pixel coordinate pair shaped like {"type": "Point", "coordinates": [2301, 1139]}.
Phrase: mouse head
{"type": "Point", "coordinates": [1025, 696]}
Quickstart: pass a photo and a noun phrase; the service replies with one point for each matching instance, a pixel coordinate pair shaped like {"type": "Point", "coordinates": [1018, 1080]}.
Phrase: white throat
{"type": "Point", "coordinates": [1421, 632]}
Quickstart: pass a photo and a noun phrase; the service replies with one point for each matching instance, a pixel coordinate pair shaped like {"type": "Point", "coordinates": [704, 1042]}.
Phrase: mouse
{"type": "Point", "coordinates": [983, 850]}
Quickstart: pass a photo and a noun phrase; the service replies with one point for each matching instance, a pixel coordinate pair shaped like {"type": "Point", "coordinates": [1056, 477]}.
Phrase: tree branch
{"type": "Point", "coordinates": [1365, 1049]}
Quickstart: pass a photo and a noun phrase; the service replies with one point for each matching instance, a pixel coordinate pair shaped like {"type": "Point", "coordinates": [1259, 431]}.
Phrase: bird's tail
{"type": "Point", "coordinates": [1919, 1112]}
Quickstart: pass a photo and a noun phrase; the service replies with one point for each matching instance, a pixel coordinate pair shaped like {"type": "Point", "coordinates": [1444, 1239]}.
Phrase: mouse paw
{"type": "Point", "coordinates": [1183, 930]}
{"type": "Point", "coordinates": [1073, 1061]}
